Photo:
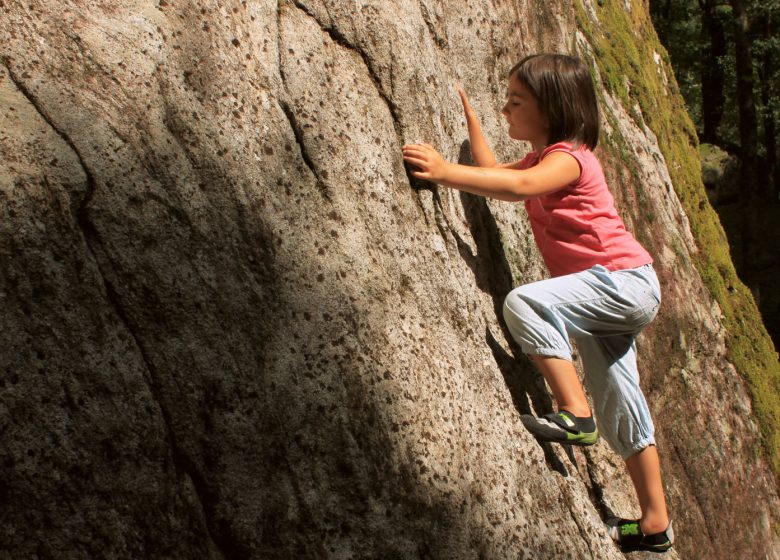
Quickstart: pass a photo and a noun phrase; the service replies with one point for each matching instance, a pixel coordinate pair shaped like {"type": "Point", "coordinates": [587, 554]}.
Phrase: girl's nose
{"type": "Point", "coordinates": [505, 110]}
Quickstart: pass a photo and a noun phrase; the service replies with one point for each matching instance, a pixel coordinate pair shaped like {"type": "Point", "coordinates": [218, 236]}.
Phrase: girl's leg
{"type": "Point", "coordinates": [542, 315]}
{"type": "Point", "coordinates": [645, 470]}
{"type": "Point", "coordinates": [564, 383]}
{"type": "Point", "coordinates": [624, 420]}
{"type": "Point", "coordinates": [604, 311]}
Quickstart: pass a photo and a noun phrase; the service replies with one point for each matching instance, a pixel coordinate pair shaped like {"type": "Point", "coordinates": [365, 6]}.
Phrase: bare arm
{"type": "Point", "coordinates": [554, 172]}
{"type": "Point", "coordinates": [480, 151]}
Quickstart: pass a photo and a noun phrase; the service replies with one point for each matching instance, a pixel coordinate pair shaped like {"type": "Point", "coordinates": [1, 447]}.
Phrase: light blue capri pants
{"type": "Point", "coordinates": [604, 311]}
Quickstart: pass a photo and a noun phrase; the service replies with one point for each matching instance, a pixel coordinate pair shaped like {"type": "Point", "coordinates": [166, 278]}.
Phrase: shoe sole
{"type": "Point", "coordinates": [582, 438]}
{"type": "Point", "coordinates": [644, 548]}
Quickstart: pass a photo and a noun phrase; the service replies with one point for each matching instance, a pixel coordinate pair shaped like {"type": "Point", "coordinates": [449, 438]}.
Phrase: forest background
{"type": "Point", "coordinates": [725, 55]}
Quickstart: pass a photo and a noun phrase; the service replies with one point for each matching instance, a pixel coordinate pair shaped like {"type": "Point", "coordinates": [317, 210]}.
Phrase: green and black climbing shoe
{"type": "Point", "coordinates": [562, 427]}
{"type": "Point", "coordinates": [627, 534]}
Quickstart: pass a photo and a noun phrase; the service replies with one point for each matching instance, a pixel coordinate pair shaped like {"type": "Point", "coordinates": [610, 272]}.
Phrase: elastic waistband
{"type": "Point", "coordinates": [640, 268]}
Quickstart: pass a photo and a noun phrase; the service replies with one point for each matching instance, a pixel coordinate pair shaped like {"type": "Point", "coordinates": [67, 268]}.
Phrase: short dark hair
{"type": "Point", "coordinates": [564, 89]}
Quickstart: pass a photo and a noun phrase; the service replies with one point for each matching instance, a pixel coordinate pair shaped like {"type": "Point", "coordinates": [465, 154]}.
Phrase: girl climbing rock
{"type": "Point", "coordinates": [603, 290]}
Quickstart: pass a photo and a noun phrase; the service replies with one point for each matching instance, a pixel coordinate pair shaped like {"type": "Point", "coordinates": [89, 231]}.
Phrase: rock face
{"type": "Point", "coordinates": [232, 329]}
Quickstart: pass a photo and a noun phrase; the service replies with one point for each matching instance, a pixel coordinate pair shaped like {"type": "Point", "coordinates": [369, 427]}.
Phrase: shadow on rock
{"type": "Point", "coordinates": [493, 276]}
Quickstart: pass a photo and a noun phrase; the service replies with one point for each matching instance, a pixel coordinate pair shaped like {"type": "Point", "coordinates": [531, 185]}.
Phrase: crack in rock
{"type": "Point", "coordinates": [576, 518]}
{"type": "Point", "coordinates": [681, 460]}
{"type": "Point", "coordinates": [90, 236]}
{"type": "Point", "coordinates": [298, 133]}
{"type": "Point", "coordinates": [440, 42]}
{"type": "Point", "coordinates": [5, 61]}
{"type": "Point", "coordinates": [597, 497]}
{"type": "Point", "coordinates": [338, 37]}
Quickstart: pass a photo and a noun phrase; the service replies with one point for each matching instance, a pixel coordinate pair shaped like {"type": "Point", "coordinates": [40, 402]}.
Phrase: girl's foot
{"type": "Point", "coordinates": [628, 534]}
{"type": "Point", "coordinates": [562, 427]}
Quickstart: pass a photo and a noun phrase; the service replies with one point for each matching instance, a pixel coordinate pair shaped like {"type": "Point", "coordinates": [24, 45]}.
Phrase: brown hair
{"type": "Point", "coordinates": [563, 87]}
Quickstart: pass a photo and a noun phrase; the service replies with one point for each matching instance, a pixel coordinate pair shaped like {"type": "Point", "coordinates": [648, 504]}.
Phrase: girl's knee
{"type": "Point", "coordinates": [516, 309]}
{"type": "Point", "coordinates": [520, 300]}
{"type": "Point", "coordinates": [531, 327]}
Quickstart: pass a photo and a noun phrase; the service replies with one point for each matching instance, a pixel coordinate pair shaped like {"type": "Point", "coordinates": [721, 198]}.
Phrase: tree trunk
{"type": "Point", "coordinates": [748, 136]}
{"type": "Point", "coordinates": [712, 97]}
{"type": "Point", "coordinates": [771, 182]}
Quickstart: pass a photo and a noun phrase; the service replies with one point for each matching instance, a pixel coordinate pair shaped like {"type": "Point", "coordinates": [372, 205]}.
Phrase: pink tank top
{"type": "Point", "coordinates": [578, 227]}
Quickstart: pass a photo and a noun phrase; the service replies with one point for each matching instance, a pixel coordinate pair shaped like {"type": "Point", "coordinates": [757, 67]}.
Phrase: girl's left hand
{"type": "Point", "coordinates": [432, 165]}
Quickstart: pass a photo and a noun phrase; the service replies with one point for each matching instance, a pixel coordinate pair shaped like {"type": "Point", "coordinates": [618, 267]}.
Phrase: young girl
{"type": "Point", "coordinates": [603, 289]}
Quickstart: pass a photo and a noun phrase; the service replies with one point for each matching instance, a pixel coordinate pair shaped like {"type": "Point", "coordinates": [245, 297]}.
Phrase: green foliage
{"type": "Point", "coordinates": [624, 44]}
{"type": "Point", "coordinates": [679, 26]}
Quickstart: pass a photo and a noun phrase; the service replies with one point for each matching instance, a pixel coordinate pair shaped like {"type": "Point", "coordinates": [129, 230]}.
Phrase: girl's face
{"type": "Point", "coordinates": [526, 121]}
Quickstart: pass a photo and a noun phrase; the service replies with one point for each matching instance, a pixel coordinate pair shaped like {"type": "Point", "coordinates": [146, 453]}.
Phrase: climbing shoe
{"type": "Point", "coordinates": [562, 427]}
{"type": "Point", "coordinates": [627, 534]}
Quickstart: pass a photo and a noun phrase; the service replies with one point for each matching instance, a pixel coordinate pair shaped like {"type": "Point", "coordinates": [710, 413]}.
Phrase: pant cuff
{"type": "Point", "coordinates": [549, 353]}
{"type": "Point", "coordinates": [637, 447]}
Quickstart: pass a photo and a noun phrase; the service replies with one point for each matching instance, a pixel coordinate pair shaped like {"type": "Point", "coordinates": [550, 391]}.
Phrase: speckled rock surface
{"type": "Point", "coordinates": [232, 329]}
